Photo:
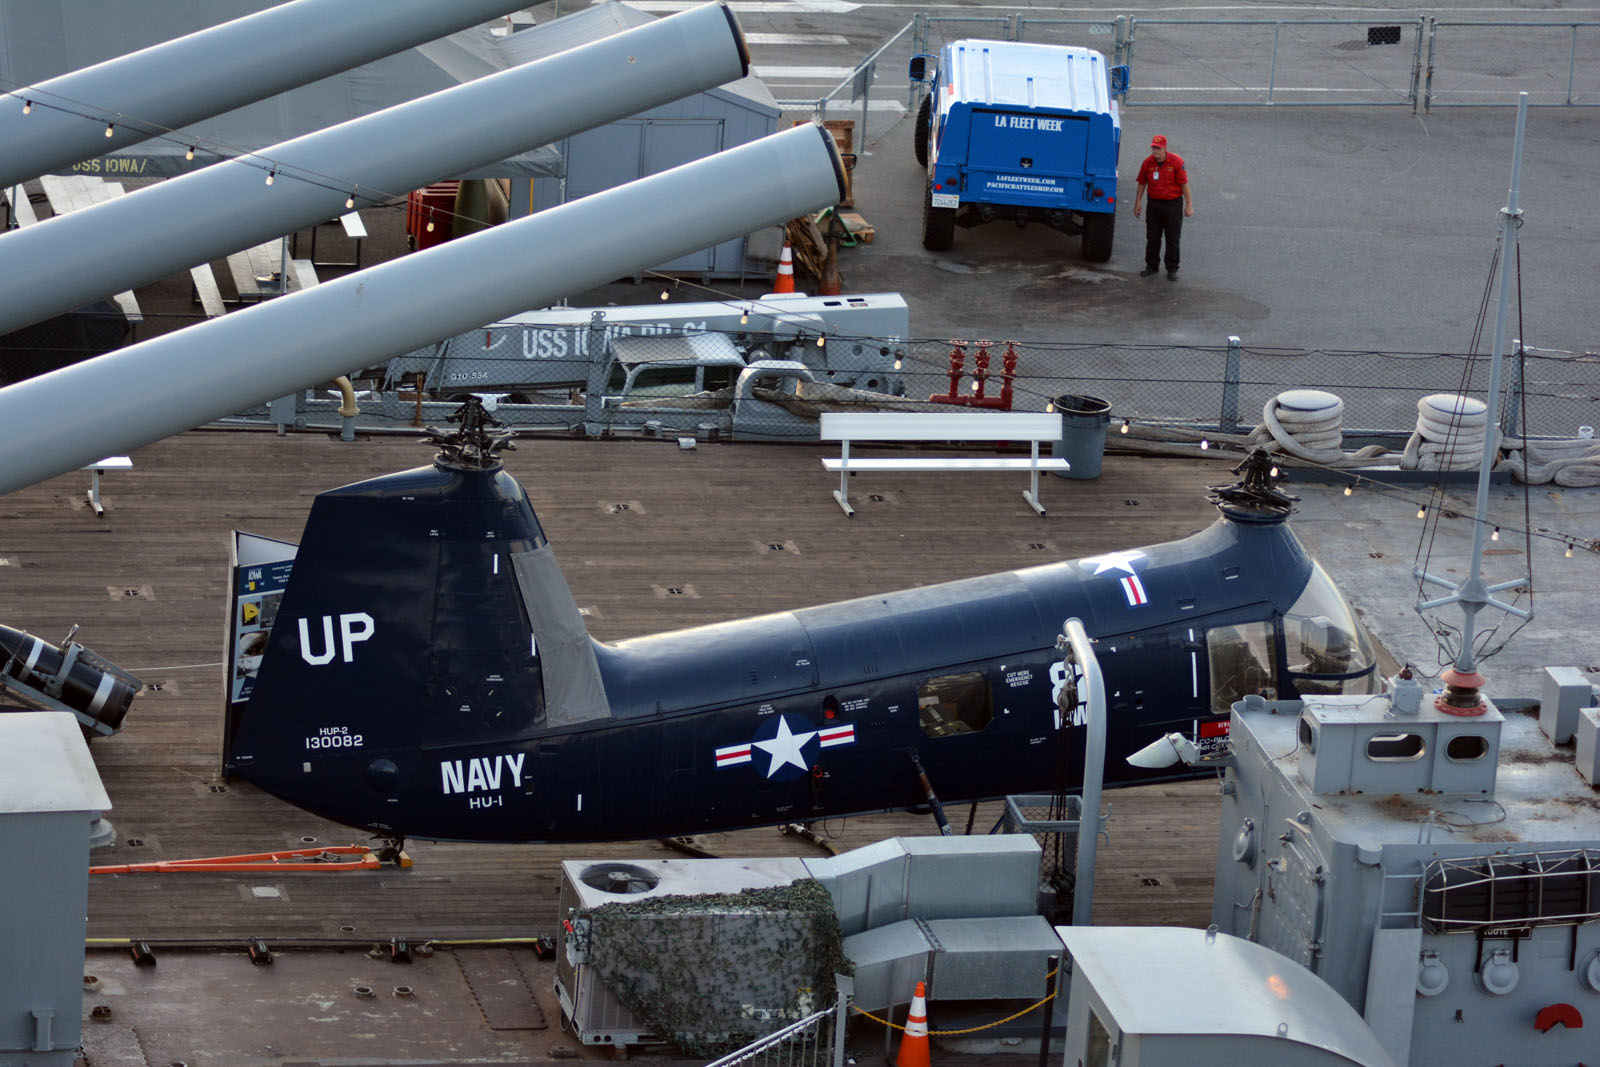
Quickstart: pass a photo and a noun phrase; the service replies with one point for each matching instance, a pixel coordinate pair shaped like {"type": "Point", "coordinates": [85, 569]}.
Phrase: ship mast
{"type": "Point", "coordinates": [1462, 680]}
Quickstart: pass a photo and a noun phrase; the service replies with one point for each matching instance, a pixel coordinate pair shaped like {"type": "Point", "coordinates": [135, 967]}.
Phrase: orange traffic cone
{"type": "Point", "coordinates": [785, 279]}
{"type": "Point", "coordinates": [914, 1046]}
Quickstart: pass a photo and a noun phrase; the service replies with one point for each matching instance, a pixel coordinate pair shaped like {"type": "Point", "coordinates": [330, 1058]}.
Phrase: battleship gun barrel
{"type": "Point", "coordinates": [174, 83]}
{"type": "Point", "coordinates": [171, 226]}
{"type": "Point", "coordinates": [116, 402]}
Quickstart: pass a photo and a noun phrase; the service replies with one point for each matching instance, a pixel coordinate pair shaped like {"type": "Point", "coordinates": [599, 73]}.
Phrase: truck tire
{"type": "Point", "coordinates": [938, 225]}
{"type": "Point", "coordinates": [921, 131]}
{"type": "Point", "coordinates": [1097, 234]}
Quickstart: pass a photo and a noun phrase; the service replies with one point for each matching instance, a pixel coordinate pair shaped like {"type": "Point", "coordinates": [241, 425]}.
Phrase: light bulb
{"type": "Point", "coordinates": [350, 201]}
{"type": "Point", "coordinates": [190, 153]}
{"type": "Point", "coordinates": [1349, 489]}
{"type": "Point", "coordinates": [665, 294]}
{"type": "Point", "coordinates": [744, 319]}
{"type": "Point", "coordinates": [1204, 444]}
{"type": "Point", "coordinates": [821, 340]}
{"type": "Point", "coordinates": [1273, 473]}
{"type": "Point", "coordinates": [1422, 511]}
{"type": "Point", "coordinates": [27, 107]}
{"type": "Point", "coordinates": [111, 129]}
{"type": "Point", "coordinates": [1496, 535]}
{"type": "Point", "coordinates": [271, 176]}
{"type": "Point", "coordinates": [1048, 408]}
{"type": "Point", "coordinates": [1124, 426]}
{"type": "Point", "coordinates": [1569, 550]}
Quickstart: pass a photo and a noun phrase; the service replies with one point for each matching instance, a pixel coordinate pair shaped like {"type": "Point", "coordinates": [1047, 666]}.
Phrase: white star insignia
{"type": "Point", "coordinates": [785, 748]}
{"type": "Point", "coordinates": [1121, 561]}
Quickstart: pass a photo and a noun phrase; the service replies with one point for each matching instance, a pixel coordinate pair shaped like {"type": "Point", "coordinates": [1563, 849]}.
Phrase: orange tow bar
{"type": "Point", "coordinates": [299, 859]}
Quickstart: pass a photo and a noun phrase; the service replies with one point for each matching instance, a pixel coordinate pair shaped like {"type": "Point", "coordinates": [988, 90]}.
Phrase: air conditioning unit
{"type": "Point", "coordinates": [598, 1017]}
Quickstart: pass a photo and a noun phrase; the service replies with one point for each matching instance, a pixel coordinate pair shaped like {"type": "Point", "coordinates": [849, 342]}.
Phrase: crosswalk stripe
{"type": "Point", "coordinates": [843, 108]}
{"type": "Point", "coordinates": [800, 7]}
{"type": "Point", "coordinates": [797, 38]}
{"type": "Point", "coordinates": [781, 74]}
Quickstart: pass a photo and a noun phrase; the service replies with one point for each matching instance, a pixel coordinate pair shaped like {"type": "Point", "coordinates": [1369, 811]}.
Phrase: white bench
{"type": "Point", "coordinates": [110, 463]}
{"type": "Point", "coordinates": [1018, 426]}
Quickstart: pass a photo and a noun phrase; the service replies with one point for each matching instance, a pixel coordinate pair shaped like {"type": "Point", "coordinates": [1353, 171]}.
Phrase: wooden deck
{"type": "Point", "coordinates": [735, 529]}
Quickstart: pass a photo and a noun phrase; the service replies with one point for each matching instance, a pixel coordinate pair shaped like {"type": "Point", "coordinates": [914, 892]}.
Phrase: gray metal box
{"type": "Point", "coordinates": [1566, 689]}
{"type": "Point", "coordinates": [931, 878]}
{"type": "Point", "coordinates": [1589, 745]}
{"type": "Point", "coordinates": [49, 795]}
{"type": "Point", "coordinates": [1343, 750]}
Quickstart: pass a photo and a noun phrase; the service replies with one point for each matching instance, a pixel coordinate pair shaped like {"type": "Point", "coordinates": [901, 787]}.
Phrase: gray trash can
{"type": "Point", "coordinates": [1083, 434]}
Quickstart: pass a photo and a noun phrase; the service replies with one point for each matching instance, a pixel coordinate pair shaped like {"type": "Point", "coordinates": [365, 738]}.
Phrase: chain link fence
{"type": "Point", "coordinates": [1422, 62]}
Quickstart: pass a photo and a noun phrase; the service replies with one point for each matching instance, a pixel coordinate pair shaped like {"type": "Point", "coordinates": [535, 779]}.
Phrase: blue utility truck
{"type": "Point", "coordinates": [1011, 130]}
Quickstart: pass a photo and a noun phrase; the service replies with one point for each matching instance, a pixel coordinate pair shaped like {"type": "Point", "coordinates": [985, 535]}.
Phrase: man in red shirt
{"type": "Point", "coordinates": [1163, 173]}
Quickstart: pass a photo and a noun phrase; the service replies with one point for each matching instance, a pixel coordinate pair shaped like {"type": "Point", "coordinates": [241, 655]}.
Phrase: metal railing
{"type": "Point", "coordinates": [1497, 86]}
{"type": "Point", "coordinates": [815, 1041]}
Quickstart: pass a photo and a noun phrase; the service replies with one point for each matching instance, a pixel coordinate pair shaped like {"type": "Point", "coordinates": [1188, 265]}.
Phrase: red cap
{"type": "Point", "coordinates": [1158, 141]}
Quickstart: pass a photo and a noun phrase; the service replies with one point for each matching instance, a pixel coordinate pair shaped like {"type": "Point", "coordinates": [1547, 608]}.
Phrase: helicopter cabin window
{"type": "Point", "coordinates": [1326, 650]}
{"type": "Point", "coordinates": [954, 704]}
{"type": "Point", "coordinates": [1241, 663]}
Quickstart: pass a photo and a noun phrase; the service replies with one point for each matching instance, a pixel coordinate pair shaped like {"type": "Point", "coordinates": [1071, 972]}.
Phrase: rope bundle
{"type": "Point", "coordinates": [1449, 435]}
{"type": "Point", "coordinates": [1574, 462]}
{"type": "Point", "coordinates": [1308, 424]}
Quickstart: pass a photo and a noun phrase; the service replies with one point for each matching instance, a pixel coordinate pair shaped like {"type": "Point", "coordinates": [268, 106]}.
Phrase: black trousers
{"type": "Point", "coordinates": [1162, 217]}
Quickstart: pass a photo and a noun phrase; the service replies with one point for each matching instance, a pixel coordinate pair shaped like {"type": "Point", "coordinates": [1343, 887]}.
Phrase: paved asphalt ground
{"type": "Point", "coordinates": [1359, 228]}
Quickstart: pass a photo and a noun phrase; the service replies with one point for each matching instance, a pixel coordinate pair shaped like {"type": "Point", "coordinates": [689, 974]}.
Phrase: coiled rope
{"type": "Point", "coordinates": [1574, 462]}
{"type": "Point", "coordinates": [1449, 435]}
{"type": "Point", "coordinates": [1309, 424]}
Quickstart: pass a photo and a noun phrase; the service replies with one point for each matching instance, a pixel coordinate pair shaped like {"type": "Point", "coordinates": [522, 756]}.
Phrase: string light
{"type": "Point", "coordinates": [822, 339]}
{"type": "Point", "coordinates": [1048, 408]}
{"type": "Point", "coordinates": [1496, 535]}
{"type": "Point", "coordinates": [1569, 550]}
{"type": "Point", "coordinates": [1349, 489]}
{"type": "Point", "coordinates": [430, 230]}
{"type": "Point", "coordinates": [1124, 426]}
{"type": "Point", "coordinates": [899, 361]}
{"type": "Point", "coordinates": [1273, 473]}
{"type": "Point", "coordinates": [271, 176]}
{"type": "Point", "coordinates": [1204, 444]}
{"type": "Point", "coordinates": [111, 129]}
{"type": "Point", "coordinates": [27, 107]}
{"type": "Point", "coordinates": [189, 155]}
{"type": "Point", "coordinates": [1422, 511]}
{"type": "Point", "coordinates": [744, 317]}
{"type": "Point", "coordinates": [350, 201]}
{"type": "Point", "coordinates": [665, 294]}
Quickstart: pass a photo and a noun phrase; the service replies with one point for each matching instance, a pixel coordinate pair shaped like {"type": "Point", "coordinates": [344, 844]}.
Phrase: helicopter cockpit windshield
{"type": "Point", "coordinates": [1326, 650]}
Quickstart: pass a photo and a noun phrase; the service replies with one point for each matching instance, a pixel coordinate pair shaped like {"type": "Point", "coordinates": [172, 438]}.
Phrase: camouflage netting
{"type": "Point", "coordinates": [716, 971]}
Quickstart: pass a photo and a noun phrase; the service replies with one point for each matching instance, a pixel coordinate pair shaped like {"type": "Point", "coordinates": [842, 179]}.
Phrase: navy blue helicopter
{"type": "Point", "coordinates": [439, 683]}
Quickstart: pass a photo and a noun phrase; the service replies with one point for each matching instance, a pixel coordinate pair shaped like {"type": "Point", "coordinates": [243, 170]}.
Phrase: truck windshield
{"type": "Point", "coordinates": [1325, 649]}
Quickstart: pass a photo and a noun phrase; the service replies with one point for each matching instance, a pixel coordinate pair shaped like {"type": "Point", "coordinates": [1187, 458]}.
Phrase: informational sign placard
{"type": "Point", "coordinates": [259, 570]}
